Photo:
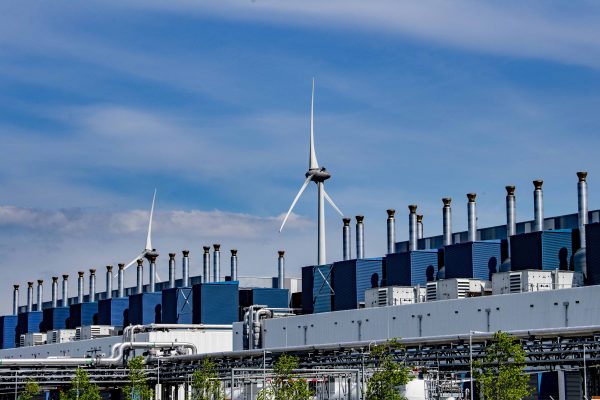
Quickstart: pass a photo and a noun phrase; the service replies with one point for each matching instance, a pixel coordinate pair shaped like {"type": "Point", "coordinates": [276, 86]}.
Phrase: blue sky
{"type": "Point", "coordinates": [208, 101]}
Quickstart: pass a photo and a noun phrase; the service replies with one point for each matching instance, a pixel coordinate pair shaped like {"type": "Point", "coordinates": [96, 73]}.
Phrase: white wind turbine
{"type": "Point", "coordinates": [149, 250]}
{"type": "Point", "coordinates": [318, 175]}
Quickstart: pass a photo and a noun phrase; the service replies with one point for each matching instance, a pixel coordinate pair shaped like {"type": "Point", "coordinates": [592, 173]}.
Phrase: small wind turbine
{"type": "Point", "coordinates": [149, 250]}
{"type": "Point", "coordinates": [317, 175]}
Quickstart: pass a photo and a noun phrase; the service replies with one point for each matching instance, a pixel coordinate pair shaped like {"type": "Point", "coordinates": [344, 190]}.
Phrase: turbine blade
{"type": "Point", "coordinates": [149, 237]}
{"type": "Point", "coordinates": [304, 185]}
{"type": "Point", "coordinates": [332, 203]}
{"type": "Point", "coordinates": [312, 158]}
{"type": "Point", "coordinates": [134, 260]}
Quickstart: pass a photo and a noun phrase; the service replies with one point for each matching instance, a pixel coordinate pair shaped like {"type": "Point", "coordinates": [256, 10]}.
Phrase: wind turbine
{"type": "Point", "coordinates": [317, 175]}
{"type": "Point", "coordinates": [149, 251]}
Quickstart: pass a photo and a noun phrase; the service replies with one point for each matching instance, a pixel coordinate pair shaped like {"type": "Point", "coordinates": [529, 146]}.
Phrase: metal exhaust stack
{"type": "Point", "coordinates": [152, 273]}
{"type": "Point", "coordinates": [511, 224]}
{"type": "Point", "coordinates": [579, 259]}
{"type": "Point", "coordinates": [216, 263]}
{"type": "Point", "coordinates": [54, 291]}
{"type": "Point", "coordinates": [472, 217]}
{"type": "Point", "coordinates": [360, 237]}
{"type": "Point", "coordinates": [92, 295]}
{"type": "Point", "coordinates": [185, 269]}
{"type": "Point", "coordinates": [391, 231]}
{"type": "Point", "coordinates": [121, 281]}
{"type": "Point", "coordinates": [40, 294]}
{"type": "Point", "coordinates": [538, 206]}
{"type": "Point", "coordinates": [80, 287]}
{"type": "Point", "coordinates": [234, 265]}
{"type": "Point", "coordinates": [419, 226]}
{"type": "Point", "coordinates": [281, 270]}
{"type": "Point", "coordinates": [346, 239]}
{"type": "Point", "coordinates": [15, 299]}
{"type": "Point", "coordinates": [447, 221]}
{"type": "Point", "coordinates": [140, 276]}
{"type": "Point", "coordinates": [171, 270]}
{"type": "Point", "coordinates": [206, 264]}
{"type": "Point", "coordinates": [109, 278]}
{"type": "Point", "coordinates": [412, 228]}
{"type": "Point", "coordinates": [65, 291]}
{"type": "Point", "coordinates": [29, 296]}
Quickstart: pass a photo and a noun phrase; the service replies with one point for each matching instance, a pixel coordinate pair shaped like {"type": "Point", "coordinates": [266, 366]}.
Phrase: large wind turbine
{"type": "Point", "coordinates": [317, 175]}
{"type": "Point", "coordinates": [149, 250]}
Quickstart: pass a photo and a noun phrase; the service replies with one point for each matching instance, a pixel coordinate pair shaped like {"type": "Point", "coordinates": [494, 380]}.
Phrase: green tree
{"type": "Point", "coordinates": [138, 387]}
{"type": "Point", "coordinates": [205, 382]}
{"type": "Point", "coordinates": [501, 375]}
{"type": "Point", "coordinates": [389, 375]}
{"type": "Point", "coordinates": [81, 388]}
{"type": "Point", "coordinates": [286, 385]}
{"type": "Point", "coordinates": [31, 390]}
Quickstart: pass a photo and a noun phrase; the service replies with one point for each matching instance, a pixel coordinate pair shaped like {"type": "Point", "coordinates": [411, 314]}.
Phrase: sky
{"type": "Point", "coordinates": [209, 102]}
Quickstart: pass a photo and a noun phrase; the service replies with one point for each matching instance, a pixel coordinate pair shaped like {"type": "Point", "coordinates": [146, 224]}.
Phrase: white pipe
{"type": "Point", "coordinates": [206, 264]}
{"type": "Point", "coordinates": [391, 231]}
{"type": "Point", "coordinates": [185, 269]}
{"type": "Point", "coordinates": [346, 239]}
{"type": "Point", "coordinates": [92, 294]}
{"type": "Point", "coordinates": [447, 221]}
{"type": "Point", "coordinates": [54, 291]}
{"type": "Point", "coordinates": [281, 269]}
{"type": "Point", "coordinates": [109, 279]}
{"type": "Point", "coordinates": [360, 237]}
{"type": "Point", "coordinates": [40, 294]}
{"type": "Point", "coordinates": [80, 287]}
{"type": "Point", "coordinates": [538, 206]}
{"type": "Point", "coordinates": [29, 296]}
{"type": "Point", "coordinates": [216, 263]}
{"type": "Point", "coordinates": [65, 291]}
{"type": "Point", "coordinates": [121, 281]}
{"type": "Point", "coordinates": [419, 226]}
{"type": "Point", "coordinates": [15, 299]}
{"type": "Point", "coordinates": [171, 270]}
{"type": "Point", "coordinates": [472, 217]}
{"type": "Point", "coordinates": [152, 274]}
{"type": "Point", "coordinates": [234, 265]}
{"type": "Point", "coordinates": [140, 276]}
{"type": "Point", "coordinates": [412, 227]}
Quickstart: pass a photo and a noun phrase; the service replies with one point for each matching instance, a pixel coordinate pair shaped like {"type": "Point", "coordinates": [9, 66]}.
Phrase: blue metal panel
{"type": "Point", "coordinates": [177, 306]}
{"type": "Point", "coordinates": [458, 260]}
{"type": "Point", "coordinates": [215, 303]}
{"type": "Point", "coordinates": [526, 251]}
{"type": "Point", "coordinates": [8, 331]}
{"type": "Point", "coordinates": [369, 274]}
{"type": "Point", "coordinates": [343, 281]}
{"type": "Point", "coordinates": [29, 322]}
{"type": "Point", "coordinates": [307, 290]}
{"type": "Point", "coordinates": [322, 289]}
{"type": "Point", "coordinates": [55, 318]}
{"type": "Point", "coordinates": [592, 252]}
{"type": "Point", "coordinates": [83, 314]}
{"type": "Point", "coordinates": [145, 308]}
{"type": "Point", "coordinates": [114, 311]}
{"type": "Point", "coordinates": [423, 266]}
{"type": "Point", "coordinates": [397, 269]}
{"type": "Point", "coordinates": [272, 297]}
{"type": "Point", "coordinates": [557, 247]}
{"type": "Point", "coordinates": [486, 259]}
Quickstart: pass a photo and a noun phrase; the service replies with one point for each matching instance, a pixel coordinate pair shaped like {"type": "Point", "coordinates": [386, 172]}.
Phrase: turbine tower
{"type": "Point", "coordinates": [317, 175]}
{"type": "Point", "coordinates": [149, 251]}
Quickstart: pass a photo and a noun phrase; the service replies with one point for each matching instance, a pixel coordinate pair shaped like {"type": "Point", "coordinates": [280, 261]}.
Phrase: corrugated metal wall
{"type": "Point", "coordinates": [423, 266]}
{"type": "Point", "coordinates": [215, 303]}
{"type": "Point", "coordinates": [486, 259]}
{"type": "Point", "coordinates": [83, 314]}
{"type": "Point", "coordinates": [458, 260]}
{"type": "Point", "coordinates": [55, 318]}
{"type": "Point", "coordinates": [29, 322]}
{"type": "Point", "coordinates": [526, 251]}
{"type": "Point", "coordinates": [145, 308]}
{"type": "Point", "coordinates": [307, 290]}
{"type": "Point", "coordinates": [592, 237]}
{"type": "Point", "coordinates": [177, 306]}
{"type": "Point", "coordinates": [344, 282]}
{"type": "Point", "coordinates": [321, 288]}
{"type": "Point", "coordinates": [557, 247]}
{"type": "Point", "coordinates": [272, 297]}
{"type": "Point", "coordinates": [397, 269]}
{"type": "Point", "coordinates": [8, 331]}
{"type": "Point", "coordinates": [114, 311]}
{"type": "Point", "coordinates": [369, 274]}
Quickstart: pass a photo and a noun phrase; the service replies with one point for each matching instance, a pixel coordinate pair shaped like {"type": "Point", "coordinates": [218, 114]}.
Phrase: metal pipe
{"type": "Point", "coordinates": [140, 276]}
{"type": "Point", "coordinates": [234, 265]}
{"type": "Point", "coordinates": [80, 287]}
{"type": "Point", "coordinates": [346, 239]}
{"type": "Point", "coordinates": [538, 206]}
{"type": "Point", "coordinates": [29, 296]}
{"type": "Point", "coordinates": [185, 269]}
{"type": "Point", "coordinates": [391, 231]}
{"type": "Point", "coordinates": [54, 291]}
{"type": "Point", "coordinates": [65, 291]}
{"type": "Point", "coordinates": [412, 227]}
{"type": "Point", "coordinates": [171, 270]}
{"type": "Point", "coordinates": [281, 270]}
{"type": "Point", "coordinates": [92, 294]}
{"type": "Point", "coordinates": [40, 294]}
{"type": "Point", "coordinates": [216, 263]}
{"type": "Point", "coordinates": [511, 223]}
{"type": "Point", "coordinates": [360, 237]}
{"type": "Point", "coordinates": [472, 217]}
{"type": "Point", "coordinates": [121, 280]}
{"type": "Point", "coordinates": [447, 221]}
{"type": "Point", "coordinates": [152, 274]}
{"type": "Point", "coordinates": [419, 226]}
{"type": "Point", "coordinates": [206, 264]}
{"type": "Point", "coordinates": [15, 299]}
{"type": "Point", "coordinates": [109, 279]}
{"type": "Point", "coordinates": [582, 202]}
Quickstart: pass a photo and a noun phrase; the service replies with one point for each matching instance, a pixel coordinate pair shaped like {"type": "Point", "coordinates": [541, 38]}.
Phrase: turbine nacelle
{"type": "Point", "coordinates": [318, 174]}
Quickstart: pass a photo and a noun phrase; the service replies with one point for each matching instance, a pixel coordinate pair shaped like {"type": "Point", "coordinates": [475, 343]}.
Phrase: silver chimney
{"type": "Point", "coordinates": [65, 291]}
{"type": "Point", "coordinates": [419, 226]}
{"type": "Point", "coordinates": [29, 296]}
{"type": "Point", "coordinates": [216, 263]}
{"type": "Point", "coordinates": [391, 231]}
{"type": "Point", "coordinates": [472, 217]}
{"type": "Point", "coordinates": [538, 206]}
{"type": "Point", "coordinates": [54, 291]}
{"type": "Point", "coordinates": [234, 265]}
{"type": "Point", "coordinates": [15, 299]}
{"type": "Point", "coordinates": [511, 213]}
{"type": "Point", "coordinates": [140, 276]}
{"type": "Point", "coordinates": [121, 281]}
{"type": "Point", "coordinates": [360, 237]}
{"type": "Point", "coordinates": [152, 273]}
{"type": "Point", "coordinates": [206, 264]}
{"type": "Point", "coordinates": [447, 221]}
{"type": "Point", "coordinates": [579, 259]}
{"type": "Point", "coordinates": [171, 270]}
{"type": "Point", "coordinates": [185, 269]}
{"type": "Point", "coordinates": [80, 287]}
{"type": "Point", "coordinates": [109, 279]}
{"type": "Point", "coordinates": [412, 228]}
{"type": "Point", "coordinates": [281, 270]}
{"type": "Point", "coordinates": [346, 239]}
{"type": "Point", "coordinates": [92, 295]}
{"type": "Point", "coordinates": [40, 294]}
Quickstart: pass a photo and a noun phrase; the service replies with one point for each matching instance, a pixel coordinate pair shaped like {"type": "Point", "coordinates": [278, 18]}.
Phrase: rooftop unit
{"type": "Point", "coordinates": [458, 288]}
{"type": "Point", "coordinates": [94, 332]}
{"type": "Point", "coordinates": [32, 339]}
{"type": "Point", "coordinates": [61, 335]}
{"type": "Point", "coordinates": [534, 281]}
{"type": "Point", "coordinates": [394, 295]}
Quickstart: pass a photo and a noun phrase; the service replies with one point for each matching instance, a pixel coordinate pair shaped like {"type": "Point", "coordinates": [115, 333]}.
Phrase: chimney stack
{"type": "Point", "coordinates": [80, 287]}
{"type": "Point", "coordinates": [579, 259]}
{"type": "Point", "coordinates": [171, 270]}
{"type": "Point", "coordinates": [447, 221]}
{"type": "Point", "coordinates": [54, 291]}
{"type": "Point", "coordinates": [152, 273]}
{"type": "Point", "coordinates": [346, 239]}
{"type": "Point", "coordinates": [216, 263]}
{"type": "Point", "coordinates": [140, 276]}
{"type": "Point", "coordinates": [538, 206]}
{"type": "Point", "coordinates": [65, 291]}
{"type": "Point", "coordinates": [511, 223]}
{"type": "Point", "coordinates": [391, 231]}
{"type": "Point", "coordinates": [281, 270]}
{"type": "Point", "coordinates": [15, 299]}
{"type": "Point", "coordinates": [419, 226]}
{"type": "Point", "coordinates": [185, 269]}
{"type": "Point", "coordinates": [472, 217]}
{"type": "Point", "coordinates": [92, 295]}
{"type": "Point", "coordinates": [206, 264]}
{"type": "Point", "coordinates": [121, 281]}
{"type": "Point", "coordinates": [40, 294]}
{"type": "Point", "coordinates": [29, 296]}
{"type": "Point", "coordinates": [360, 237]}
{"type": "Point", "coordinates": [234, 265]}
{"type": "Point", "coordinates": [412, 228]}
{"type": "Point", "coordinates": [109, 278]}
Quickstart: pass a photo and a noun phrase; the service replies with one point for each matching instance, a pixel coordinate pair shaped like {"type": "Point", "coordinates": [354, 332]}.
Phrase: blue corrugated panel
{"type": "Point", "coordinates": [526, 251]}
{"type": "Point", "coordinates": [322, 288]}
{"type": "Point", "coordinates": [55, 318]}
{"type": "Point", "coordinates": [215, 303]}
{"type": "Point", "coordinates": [177, 306]}
{"type": "Point", "coordinates": [145, 308]}
{"type": "Point", "coordinates": [307, 290]}
{"type": "Point", "coordinates": [114, 311]}
{"type": "Point", "coordinates": [83, 314]}
{"type": "Point", "coordinates": [29, 322]}
{"type": "Point", "coordinates": [592, 252]}
{"type": "Point", "coordinates": [557, 246]}
{"type": "Point", "coordinates": [423, 266]}
{"type": "Point", "coordinates": [369, 274]}
{"type": "Point", "coordinates": [272, 297]}
{"type": "Point", "coordinates": [397, 269]}
{"type": "Point", "coordinates": [8, 331]}
{"type": "Point", "coordinates": [458, 260]}
{"type": "Point", "coordinates": [343, 281]}
{"type": "Point", "coordinates": [486, 259]}
{"type": "Point", "coordinates": [472, 259]}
